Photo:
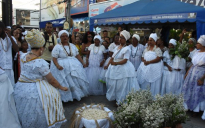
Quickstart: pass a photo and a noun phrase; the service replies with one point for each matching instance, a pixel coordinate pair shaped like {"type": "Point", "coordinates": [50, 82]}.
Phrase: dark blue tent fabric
{"type": "Point", "coordinates": [146, 9]}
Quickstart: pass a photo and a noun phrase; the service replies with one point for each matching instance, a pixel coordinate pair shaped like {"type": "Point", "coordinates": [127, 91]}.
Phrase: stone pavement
{"type": "Point", "coordinates": [70, 107]}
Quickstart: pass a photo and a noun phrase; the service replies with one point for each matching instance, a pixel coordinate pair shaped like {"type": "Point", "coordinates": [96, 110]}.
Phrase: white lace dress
{"type": "Point", "coordinates": [73, 74]}
{"type": "Point", "coordinates": [136, 55]}
{"type": "Point", "coordinates": [149, 76]}
{"type": "Point", "coordinates": [172, 81]}
{"type": "Point", "coordinates": [38, 103]}
{"type": "Point", "coordinates": [8, 114]}
{"type": "Point", "coordinates": [120, 79]}
{"type": "Point", "coordinates": [94, 70]}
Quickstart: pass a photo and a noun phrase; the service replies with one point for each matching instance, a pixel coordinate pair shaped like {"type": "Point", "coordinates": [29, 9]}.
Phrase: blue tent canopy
{"type": "Point", "coordinates": [147, 11]}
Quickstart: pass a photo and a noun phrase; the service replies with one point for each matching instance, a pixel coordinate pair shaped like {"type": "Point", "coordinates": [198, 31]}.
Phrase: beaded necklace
{"type": "Point", "coordinates": [97, 50]}
{"type": "Point", "coordinates": [68, 54]}
{"type": "Point", "coordinates": [133, 56]}
{"type": "Point", "coordinates": [119, 51]}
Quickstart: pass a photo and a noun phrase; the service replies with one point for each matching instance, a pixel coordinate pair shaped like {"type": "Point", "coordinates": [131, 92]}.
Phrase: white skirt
{"type": "Point", "coordinates": [8, 114]}
{"type": "Point", "coordinates": [73, 77]}
{"type": "Point", "coordinates": [172, 82]}
{"type": "Point", "coordinates": [120, 80]}
{"type": "Point", "coordinates": [10, 74]}
{"type": "Point", "coordinates": [154, 86]}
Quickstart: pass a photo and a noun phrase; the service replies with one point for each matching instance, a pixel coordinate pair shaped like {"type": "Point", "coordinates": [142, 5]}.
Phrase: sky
{"type": "Point", "coordinates": [26, 4]}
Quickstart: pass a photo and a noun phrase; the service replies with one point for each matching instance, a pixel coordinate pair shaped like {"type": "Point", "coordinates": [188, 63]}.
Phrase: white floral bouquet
{"type": "Point", "coordinates": [129, 112]}
{"type": "Point", "coordinates": [141, 109]}
{"type": "Point", "coordinates": [173, 109]}
{"type": "Point", "coordinates": [152, 116]}
{"type": "Point", "coordinates": [181, 50]}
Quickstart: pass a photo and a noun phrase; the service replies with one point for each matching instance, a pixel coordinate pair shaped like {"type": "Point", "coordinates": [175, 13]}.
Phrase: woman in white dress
{"type": "Point", "coordinates": [67, 68]}
{"type": "Point", "coordinates": [37, 100]}
{"type": "Point", "coordinates": [174, 71]}
{"type": "Point", "coordinates": [95, 60]}
{"type": "Point", "coordinates": [150, 70]}
{"type": "Point", "coordinates": [110, 53]}
{"type": "Point", "coordinates": [8, 114]}
{"type": "Point", "coordinates": [192, 50]}
{"type": "Point", "coordinates": [136, 51]}
{"type": "Point", "coordinates": [120, 77]}
{"type": "Point", "coordinates": [194, 84]}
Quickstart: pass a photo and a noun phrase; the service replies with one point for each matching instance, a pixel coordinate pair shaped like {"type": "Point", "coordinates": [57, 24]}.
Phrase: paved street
{"type": "Point", "coordinates": [69, 107]}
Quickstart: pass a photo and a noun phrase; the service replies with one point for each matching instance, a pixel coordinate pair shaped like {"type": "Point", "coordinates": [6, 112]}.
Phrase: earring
{"type": "Point", "coordinates": [41, 52]}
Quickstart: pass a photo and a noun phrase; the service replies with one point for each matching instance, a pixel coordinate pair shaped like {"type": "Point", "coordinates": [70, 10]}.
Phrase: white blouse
{"type": "Point", "coordinates": [112, 47]}
{"type": "Point", "coordinates": [199, 58]}
{"type": "Point", "coordinates": [155, 49]}
{"type": "Point", "coordinates": [59, 52]}
{"type": "Point", "coordinates": [96, 49]}
{"type": "Point", "coordinates": [192, 53]}
{"type": "Point", "coordinates": [124, 53]}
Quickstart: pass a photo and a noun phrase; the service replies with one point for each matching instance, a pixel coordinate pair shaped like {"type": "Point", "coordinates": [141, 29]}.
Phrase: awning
{"type": "Point", "coordinates": [147, 11]}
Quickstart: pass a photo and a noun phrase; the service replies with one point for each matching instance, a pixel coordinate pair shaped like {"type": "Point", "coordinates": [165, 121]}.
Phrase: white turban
{"type": "Point", "coordinates": [201, 40]}
{"type": "Point", "coordinates": [193, 40]}
{"type": "Point", "coordinates": [173, 41]}
{"type": "Point", "coordinates": [35, 38]}
{"type": "Point", "coordinates": [153, 36]}
{"type": "Point", "coordinates": [98, 37]}
{"type": "Point", "coordinates": [61, 32]}
{"type": "Point", "coordinates": [136, 36]}
{"type": "Point", "coordinates": [126, 34]}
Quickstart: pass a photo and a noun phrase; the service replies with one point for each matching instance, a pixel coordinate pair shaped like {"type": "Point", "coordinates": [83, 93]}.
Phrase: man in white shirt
{"type": "Point", "coordinates": [7, 43]}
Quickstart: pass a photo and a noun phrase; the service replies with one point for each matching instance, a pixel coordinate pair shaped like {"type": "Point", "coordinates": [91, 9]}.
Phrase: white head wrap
{"type": "Point", "coordinates": [153, 36]}
{"type": "Point", "coordinates": [35, 38]}
{"type": "Point", "coordinates": [193, 40]}
{"type": "Point", "coordinates": [136, 36]}
{"type": "Point", "coordinates": [201, 40]}
{"type": "Point", "coordinates": [8, 27]}
{"type": "Point", "coordinates": [126, 34]}
{"type": "Point", "coordinates": [173, 41]}
{"type": "Point", "coordinates": [61, 32]}
{"type": "Point", "coordinates": [98, 37]}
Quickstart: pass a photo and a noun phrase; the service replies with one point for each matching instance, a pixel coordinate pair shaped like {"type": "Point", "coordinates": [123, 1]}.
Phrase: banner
{"type": "Point", "coordinates": [99, 8]}
{"type": "Point", "coordinates": [52, 9]}
{"type": "Point", "coordinates": [27, 17]}
{"type": "Point", "coordinates": [80, 6]}
{"type": "Point", "coordinates": [56, 9]}
{"type": "Point", "coordinates": [147, 18]}
{"type": "Point", "coordinates": [195, 2]}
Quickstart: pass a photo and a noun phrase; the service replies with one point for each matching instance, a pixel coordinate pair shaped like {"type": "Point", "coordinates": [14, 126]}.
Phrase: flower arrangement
{"type": "Point", "coordinates": [129, 113]}
{"type": "Point", "coordinates": [141, 109]}
{"type": "Point", "coordinates": [173, 109]}
{"type": "Point", "coordinates": [181, 50]}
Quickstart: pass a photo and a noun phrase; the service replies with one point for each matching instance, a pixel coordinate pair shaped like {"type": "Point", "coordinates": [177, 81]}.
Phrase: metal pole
{"type": "Point", "coordinates": [68, 11]}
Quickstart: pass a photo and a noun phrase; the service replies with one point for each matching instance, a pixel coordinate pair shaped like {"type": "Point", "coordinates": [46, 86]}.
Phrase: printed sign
{"type": "Point", "coordinates": [147, 18]}
{"type": "Point", "coordinates": [99, 8]}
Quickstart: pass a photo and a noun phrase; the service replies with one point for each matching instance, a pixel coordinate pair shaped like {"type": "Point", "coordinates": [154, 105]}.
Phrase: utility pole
{"type": "Point", "coordinates": [68, 10]}
{"type": "Point", "coordinates": [68, 18]}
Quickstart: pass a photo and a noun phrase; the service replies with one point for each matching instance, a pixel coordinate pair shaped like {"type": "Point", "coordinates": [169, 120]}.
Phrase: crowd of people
{"type": "Point", "coordinates": [55, 67]}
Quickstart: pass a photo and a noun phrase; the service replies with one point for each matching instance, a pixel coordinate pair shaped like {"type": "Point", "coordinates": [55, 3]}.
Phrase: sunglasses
{"type": "Point", "coordinates": [89, 36]}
